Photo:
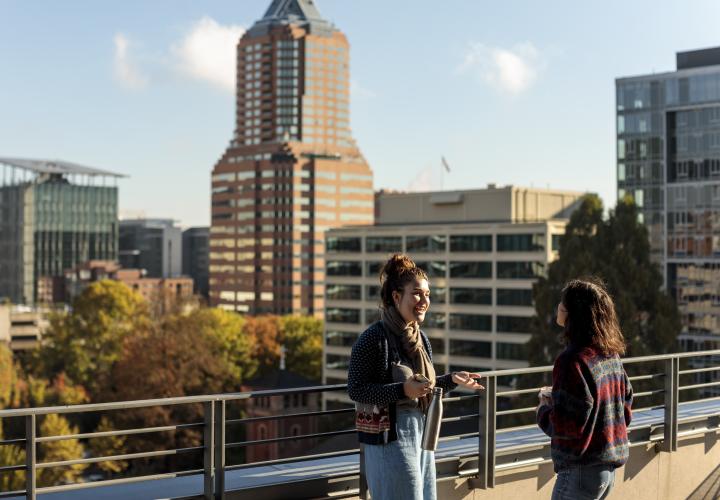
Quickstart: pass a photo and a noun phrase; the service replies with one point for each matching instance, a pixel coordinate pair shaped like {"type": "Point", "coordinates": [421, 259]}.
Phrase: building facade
{"type": "Point", "coordinates": [668, 161]}
{"type": "Point", "coordinates": [154, 245]}
{"type": "Point", "coordinates": [53, 214]}
{"type": "Point", "coordinates": [482, 250]}
{"type": "Point", "coordinates": [195, 255]}
{"type": "Point", "coordinates": [292, 169]}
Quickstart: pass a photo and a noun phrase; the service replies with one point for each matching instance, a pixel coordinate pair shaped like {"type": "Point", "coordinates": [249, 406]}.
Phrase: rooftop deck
{"type": "Point", "coordinates": [473, 464]}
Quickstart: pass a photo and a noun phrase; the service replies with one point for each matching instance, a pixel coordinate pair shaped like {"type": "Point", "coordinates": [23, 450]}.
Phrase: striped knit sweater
{"type": "Point", "coordinates": [590, 411]}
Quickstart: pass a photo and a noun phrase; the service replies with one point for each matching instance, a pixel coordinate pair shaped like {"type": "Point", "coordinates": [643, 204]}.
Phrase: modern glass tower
{"type": "Point", "coordinates": [668, 160]}
{"type": "Point", "coordinates": [53, 215]}
{"type": "Point", "coordinates": [292, 169]}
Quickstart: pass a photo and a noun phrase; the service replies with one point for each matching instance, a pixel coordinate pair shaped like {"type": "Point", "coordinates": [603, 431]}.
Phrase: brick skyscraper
{"type": "Point", "coordinates": [292, 169]}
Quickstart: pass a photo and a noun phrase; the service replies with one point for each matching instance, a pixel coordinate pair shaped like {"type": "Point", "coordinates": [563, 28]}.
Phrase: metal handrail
{"type": "Point", "coordinates": [215, 423]}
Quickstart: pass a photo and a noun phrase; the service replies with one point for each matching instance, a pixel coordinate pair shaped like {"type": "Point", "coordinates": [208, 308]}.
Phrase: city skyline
{"type": "Point", "coordinates": [506, 98]}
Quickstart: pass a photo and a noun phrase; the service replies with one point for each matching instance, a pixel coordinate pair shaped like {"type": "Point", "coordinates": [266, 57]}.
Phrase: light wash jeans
{"type": "Point", "coordinates": [402, 470]}
{"type": "Point", "coordinates": [591, 482]}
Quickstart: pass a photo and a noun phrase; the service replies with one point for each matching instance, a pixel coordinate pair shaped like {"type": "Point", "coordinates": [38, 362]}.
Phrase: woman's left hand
{"type": "Point", "coordinates": [467, 379]}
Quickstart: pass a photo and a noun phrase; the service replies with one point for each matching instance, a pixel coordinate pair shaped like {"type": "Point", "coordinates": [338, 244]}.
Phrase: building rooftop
{"type": "Point", "coordinates": [491, 204]}
{"type": "Point", "coordinates": [57, 167]}
{"type": "Point", "coordinates": [698, 58]}
{"type": "Point", "coordinates": [298, 12]}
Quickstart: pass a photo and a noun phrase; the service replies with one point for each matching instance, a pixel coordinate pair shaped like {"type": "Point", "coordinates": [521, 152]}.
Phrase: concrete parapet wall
{"type": "Point", "coordinates": [648, 475]}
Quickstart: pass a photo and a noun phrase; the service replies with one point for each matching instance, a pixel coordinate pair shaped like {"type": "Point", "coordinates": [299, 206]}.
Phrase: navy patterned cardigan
{"type": "Point", "coordinates": [370, 377]}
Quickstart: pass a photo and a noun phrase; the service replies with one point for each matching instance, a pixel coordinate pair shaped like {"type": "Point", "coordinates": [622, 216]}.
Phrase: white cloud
{"type": "Point", "coordinates": [357, 91]}
{"type": "Point", "coordinates": [423, 181]}
{"type": "Point", "coordinates": [207, 52]}
{"type": "Point", "coordinates": [125, 71]}
{"type": "Point", "coordinates": [512, 70]}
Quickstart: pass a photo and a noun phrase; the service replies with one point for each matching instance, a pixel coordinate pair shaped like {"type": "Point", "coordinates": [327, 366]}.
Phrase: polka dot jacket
{"type": "Point", "coordinates": [370, 379]}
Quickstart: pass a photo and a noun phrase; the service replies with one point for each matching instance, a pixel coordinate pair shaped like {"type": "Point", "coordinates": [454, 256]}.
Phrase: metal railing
{"type": "Point", "coordinates": [480, 464]}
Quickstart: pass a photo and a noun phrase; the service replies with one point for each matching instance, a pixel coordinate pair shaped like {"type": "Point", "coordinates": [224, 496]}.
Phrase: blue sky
{"type": "Point", "coordinates": [518, 92]}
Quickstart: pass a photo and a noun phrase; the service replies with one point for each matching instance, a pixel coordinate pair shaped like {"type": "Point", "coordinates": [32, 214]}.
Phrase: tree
{"type": "Point", "coordinates": [85, 343]}
{"type": "Point", "coordinates": [56, 451]}
{"type": "Point", "coordinates": [11, 455]}
{"type": "Point", "coordinates": [302, 338]}
{"type": "Point", "coordinates": [107, 446]}
{"type": "Point", "coordinates": [264, 332]}
{"type": "Point", "coordinates": [618, 251]}
{"type": "Point", "coordinates": [10, 378]}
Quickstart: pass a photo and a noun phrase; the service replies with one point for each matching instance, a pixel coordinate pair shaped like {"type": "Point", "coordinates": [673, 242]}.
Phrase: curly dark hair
{"type": "Point", "coordinates": [397, 272]}
{"type": "Point", "coordinates": [591, 319]}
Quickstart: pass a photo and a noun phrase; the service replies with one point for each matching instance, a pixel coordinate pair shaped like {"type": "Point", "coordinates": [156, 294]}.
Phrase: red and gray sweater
{"type": "Point", "coordinates": [590, 411]}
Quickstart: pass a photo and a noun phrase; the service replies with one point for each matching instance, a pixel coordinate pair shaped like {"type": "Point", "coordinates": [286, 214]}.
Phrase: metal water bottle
{"type": "Point", "coordinates": [433, 419]}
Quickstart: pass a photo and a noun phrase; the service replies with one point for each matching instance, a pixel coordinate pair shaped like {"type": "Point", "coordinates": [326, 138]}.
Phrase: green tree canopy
{"type": "Point", "coordinates": [302, 338]}
{"type": "Point", "coordinates": [86, 342]}
{"type": "Point", "coordinates": [617, 250]}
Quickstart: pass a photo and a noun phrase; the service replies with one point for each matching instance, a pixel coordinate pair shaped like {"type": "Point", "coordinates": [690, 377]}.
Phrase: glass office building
{"type": "Point", "coordinates": [53, 215]}
{"type": "Point", "coordinates": [668, 160]}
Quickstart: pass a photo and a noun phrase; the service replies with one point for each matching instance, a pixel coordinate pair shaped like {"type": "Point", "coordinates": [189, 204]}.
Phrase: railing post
{"type": "Point", "coordinates": [672, 395]}
{"type": "Point", "coordinates": [209, 449]}
{"type": "Point", "coordinates": [363, 488]}
{"type": "Point", "coordinates": [30, 449]}
{"type": "Point", "coordinates": [220, 450]}
{"type": "Point", "coordinates": [486, 439]}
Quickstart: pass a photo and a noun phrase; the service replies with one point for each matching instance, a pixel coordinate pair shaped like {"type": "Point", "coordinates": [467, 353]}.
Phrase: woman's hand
{"type": "Point", "coordinates": [545, 396]}
{"type": "Point", "coordinates": [416, 388]}
{"type": "Point", "coordinates": [467, 380]}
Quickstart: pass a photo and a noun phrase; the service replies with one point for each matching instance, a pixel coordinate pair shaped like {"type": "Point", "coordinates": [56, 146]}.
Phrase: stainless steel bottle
{"type": "Point", "coordinates": [433, 419]}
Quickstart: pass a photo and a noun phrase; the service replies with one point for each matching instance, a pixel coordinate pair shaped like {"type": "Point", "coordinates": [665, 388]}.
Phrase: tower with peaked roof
{"type": "Point", "coordinates": [292, 169]}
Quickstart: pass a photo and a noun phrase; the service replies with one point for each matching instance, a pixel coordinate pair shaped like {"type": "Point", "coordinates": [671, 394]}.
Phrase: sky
{"type": "Point", "coordinates": [518, 92]}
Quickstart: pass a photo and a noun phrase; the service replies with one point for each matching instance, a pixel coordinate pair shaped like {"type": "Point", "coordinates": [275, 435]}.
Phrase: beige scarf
{"type": "Point", "coordinates": [409, 335]}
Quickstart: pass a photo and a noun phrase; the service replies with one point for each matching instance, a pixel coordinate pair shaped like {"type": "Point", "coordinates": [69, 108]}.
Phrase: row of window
{"type": "Point", "coordinates": [440, 295]}
{"type": "Point", "coordinates": [469, 348]}
{"type": "Point", "coordinates": [439, 320]}
{"type": "Point", "coordinates": [439, 243]}
{"type": "Point", "coordinates": [442, 269]}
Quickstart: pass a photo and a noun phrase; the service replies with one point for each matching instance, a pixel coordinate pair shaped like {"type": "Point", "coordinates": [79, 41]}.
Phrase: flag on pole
{"type": "Point", "coordinates": [445, 164]}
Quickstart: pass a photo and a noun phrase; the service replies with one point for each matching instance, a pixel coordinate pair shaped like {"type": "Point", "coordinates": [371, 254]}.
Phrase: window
{"type": "Point", "coordinates": [520, 270]}
{"type": "Point", "coordinates": [514, 297]}
{"type": "Point", "coordinates": [504, 350]}
{"type": "Point", "coordinates": [342, 339]}
{"type": "Point", "coordinates": [471, 269]}
{"type": "Point", "coordinates": [342, 292]}
{"type": "Point", "coordinates": [372, 292]}
{"type": "Point", "coordinates": [434, 320]}
{"type": "Point", "coordinates": [437, 345]}
{"type": "Point", "coordinates": [471, 243]}
{"type": "Point", "coordinates": [556, 242]}
{"type": "Point", "coordinates": [372, 315]}
{"type": "Point", "coordinates": [432, 244]}
{"type": "Point", "coordinates": [384, 244]}
{"type": "Point", "coordinates": [471, 296]}
{"type": "Point", "coordinates": [438, 294]}
{"type": "Point", "coordinates": [520, 242]}
{"type": "Point", "coordinates": [343, 244]}
{"type": "Point", "coordinates": [470, 348]}
{"type": "Point", "coordinates": [337, 362]}
{"type": "Point", "coordinates": [342, 315]}
{"type": "Point", "coordinates": [514, 324]}
{"type": "Point", "coordinates": [343, 268]}
{"type": "Point", "coordinates": [373, 269]}
{"type": "Point", "coordinates": [433, 269]}
{"type": "Point", "coordinates": [478, 322]}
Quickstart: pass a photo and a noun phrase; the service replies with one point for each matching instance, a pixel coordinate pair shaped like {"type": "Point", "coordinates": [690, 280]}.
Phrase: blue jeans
{"type": "Point", "coordinates": [402, 470]}
{"type": "Point", "coordinates": [590, 482]}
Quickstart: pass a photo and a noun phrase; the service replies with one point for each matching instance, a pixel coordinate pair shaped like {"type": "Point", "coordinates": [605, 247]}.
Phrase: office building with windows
{"type": "Point", "coordinates": [482, 250]}
{"type": "Point", "coordinates": [292, 169]}
{"type": "Point", "coordinates": [195, 255]}
{"type": "Point", "coordinates": [154, 245]}
{"type": "Point", "coordinates": [668, 161]}
{"type": "Point", "coordinates": [53, 215]}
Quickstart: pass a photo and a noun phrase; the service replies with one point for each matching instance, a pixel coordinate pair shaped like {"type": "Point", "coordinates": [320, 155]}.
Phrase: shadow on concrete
{"type": "Point", "coordinates": [639, 458]}
{"type": "Point", "coordinates": [709, 489]}
{"type": "Point", "coordinates": [711, 439]}
{"type": "Point", "coordinates": [544, 474]}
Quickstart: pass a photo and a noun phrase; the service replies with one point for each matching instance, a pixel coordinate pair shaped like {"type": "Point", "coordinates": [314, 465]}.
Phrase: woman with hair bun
{"type": "Point", "coordinates": [391, 377]}
{"type": "Point", "coordinates": [588, 409]}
